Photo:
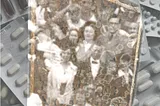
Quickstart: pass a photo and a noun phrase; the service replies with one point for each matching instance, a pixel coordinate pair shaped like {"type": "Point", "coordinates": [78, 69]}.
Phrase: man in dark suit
{"type": "Point", "coordinates": [99, 76]}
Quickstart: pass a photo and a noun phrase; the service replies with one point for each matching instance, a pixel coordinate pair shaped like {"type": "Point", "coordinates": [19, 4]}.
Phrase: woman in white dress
{"type": "Point", "coordinates": [60, 80]}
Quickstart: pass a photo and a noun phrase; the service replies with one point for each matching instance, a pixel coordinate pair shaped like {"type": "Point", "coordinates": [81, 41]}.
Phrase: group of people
{"type": "Point", "coordinates": [90, 62]}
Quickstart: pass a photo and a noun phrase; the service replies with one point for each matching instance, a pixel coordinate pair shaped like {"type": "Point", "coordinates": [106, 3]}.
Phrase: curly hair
{"type": "Point", "coordinates": [93, 25]}
{"type": "Point", "coordinates": [78, 32]}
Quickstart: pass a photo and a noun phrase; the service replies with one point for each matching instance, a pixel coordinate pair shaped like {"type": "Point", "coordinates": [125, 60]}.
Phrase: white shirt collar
{"type": "Point", "coordinates": [94, 67]}
{"type": "Point", "coordinates": [86, 45]}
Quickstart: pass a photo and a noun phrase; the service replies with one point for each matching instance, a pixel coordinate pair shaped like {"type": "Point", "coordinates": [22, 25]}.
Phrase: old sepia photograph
{"type": "Point", "coordinates": [84, 52]}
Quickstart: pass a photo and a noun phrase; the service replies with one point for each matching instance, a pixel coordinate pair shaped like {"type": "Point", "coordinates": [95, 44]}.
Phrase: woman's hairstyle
{"type": "Point", "coordinates": [93, 25]}
{"type": "Point", "coordinates": [78, 32]}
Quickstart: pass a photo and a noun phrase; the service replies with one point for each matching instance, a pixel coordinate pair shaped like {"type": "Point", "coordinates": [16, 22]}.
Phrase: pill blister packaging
{"type": "Point", "coordinates": [155, 4]}
{"type": "Point", "coordinates": [147, 90]}
{"type": "Point", "coordinates": [14, 63]}
{"type": "Point", "coordinates": [7, 96]}
{"type": "Point", "coordinates": [11, 9]}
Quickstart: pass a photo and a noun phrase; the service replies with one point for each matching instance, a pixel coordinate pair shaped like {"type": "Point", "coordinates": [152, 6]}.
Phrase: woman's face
{"type": "Point", "coordinates": [89, 33]}
{"type": "Point", "coordinates": [66, 55]}
{"type": "Point", "coordinates": [73, 37]}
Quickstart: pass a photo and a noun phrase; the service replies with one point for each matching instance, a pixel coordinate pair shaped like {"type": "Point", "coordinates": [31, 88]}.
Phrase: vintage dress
{"type": "Point", "coordinates": [57, 76]}
{"type": "Point", "coordinates": [84, 51]}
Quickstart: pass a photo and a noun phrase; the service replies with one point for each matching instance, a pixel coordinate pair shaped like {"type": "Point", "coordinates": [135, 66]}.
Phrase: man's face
{"type": "Point", "coordinates": [133, 28]}
{"type": "Point", "coordinates": [97, 51]}
{"type": "Point", "coordinates": [66, 55]}
{"type": "Point", "coordinates": [113, 27]}
{"type": "Point", "coordinates": [74, 13]}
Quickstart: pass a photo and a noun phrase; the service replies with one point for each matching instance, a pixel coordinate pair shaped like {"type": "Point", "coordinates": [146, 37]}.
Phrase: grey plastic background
{"type": "Point", "coordinates": [14, 63]}
{"type": "Point", "coordinates": [18, 12]}
{"type": "Point", "coordinates": [147, 89]}
{"type": "Point", "coordinates": [7, 97]}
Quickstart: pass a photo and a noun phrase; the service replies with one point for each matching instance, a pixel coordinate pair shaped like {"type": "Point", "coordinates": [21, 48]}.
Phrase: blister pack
{"type": "Point", "coordinates": [11, 9]}
{"type": "Point", "coordinates": [148, 76]}
{"type": "Point", "coordinates": [14, 62]}
{"type": "Point", "coordinates": [154, 4]}
{"type": "Point", "coordinates": [7, 96]}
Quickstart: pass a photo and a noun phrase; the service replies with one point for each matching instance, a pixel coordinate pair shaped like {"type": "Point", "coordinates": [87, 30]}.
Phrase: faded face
{"type": "Point", "coordinates": [105, 16]}
{"type": "Point", "coordinates": [74, 13]}
{"type": "Point", "coordinates": [133, 28]}
{"type": "Point", "coordinates": [73, 37]}
{"type": "Point", "coordinates": [113, 27]}
{"type": "Point", "coordinates": [86, 4]}
{"type": "Point", "coordinates": [89, 33]}
{"type": "Point", "coordinates": [97, 51]}
{"type": "Point", "coordinates": [52, 6]}
{"type": "Point", "coordinates": [80, 98]}
{"type": "Point", "coordinates": [66, 55]}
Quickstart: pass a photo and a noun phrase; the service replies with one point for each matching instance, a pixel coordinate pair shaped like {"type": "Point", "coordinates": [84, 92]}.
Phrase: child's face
{"type": "Point", "coordinates": [66, 55]}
